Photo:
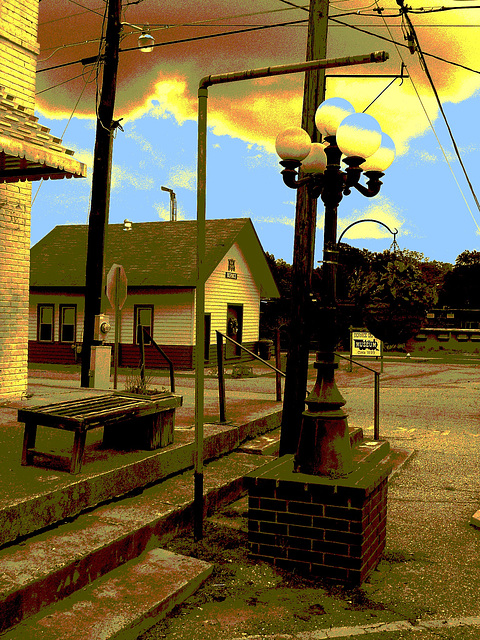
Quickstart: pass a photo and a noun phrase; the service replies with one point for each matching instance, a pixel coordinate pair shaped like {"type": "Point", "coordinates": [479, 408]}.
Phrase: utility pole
{"type": "Point", "coordinates": [304, 244]}
{"type": "Point", "coordinates": [100, 200]}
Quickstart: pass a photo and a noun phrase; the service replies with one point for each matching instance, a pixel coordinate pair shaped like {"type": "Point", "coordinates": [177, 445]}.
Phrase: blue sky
{"type": "Point", "coordinates": [419, 197]}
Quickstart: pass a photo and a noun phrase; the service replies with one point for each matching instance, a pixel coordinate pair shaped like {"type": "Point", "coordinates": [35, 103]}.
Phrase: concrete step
{"type": "Point", "coordinates": [124, 604]}
{"type": "Point", "coordinates": [44, 497]}
{"type": "Point", "coordinates": [50, 566]}
{"type": "Point", "coordinates": [269, 443]}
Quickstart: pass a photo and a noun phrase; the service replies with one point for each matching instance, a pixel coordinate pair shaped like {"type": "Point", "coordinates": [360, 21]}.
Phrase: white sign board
{"type": "Point", "coordinates": [364, 343]}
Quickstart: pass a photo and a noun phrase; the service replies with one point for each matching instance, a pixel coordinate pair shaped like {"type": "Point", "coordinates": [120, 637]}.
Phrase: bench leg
{"type": "Point", "coordinates": [29, 438]}
{"type": "Point", "coordinates": [78, 451]}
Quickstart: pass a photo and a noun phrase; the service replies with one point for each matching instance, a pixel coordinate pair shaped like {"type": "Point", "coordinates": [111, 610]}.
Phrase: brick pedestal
{"type": "Point", "coordinates": [330, 528]}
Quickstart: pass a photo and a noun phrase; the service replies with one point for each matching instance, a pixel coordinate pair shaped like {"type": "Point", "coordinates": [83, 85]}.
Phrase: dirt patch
{"type": "Point", "coordinates": [244, 597]}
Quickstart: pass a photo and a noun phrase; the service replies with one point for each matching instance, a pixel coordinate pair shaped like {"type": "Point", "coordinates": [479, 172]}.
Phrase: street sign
{"type": "Point", "coordinates": [364, 343]}
{"type": "Point", "coordinates": [116, 288]}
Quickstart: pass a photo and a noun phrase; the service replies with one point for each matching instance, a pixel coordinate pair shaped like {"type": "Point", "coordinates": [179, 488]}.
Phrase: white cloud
{"type": "Point", "coordinates": [289, 222]}
{"type": "Point", "coordinates": [183, 177]}
{"type": "Point", "coordinates": [122, 177]}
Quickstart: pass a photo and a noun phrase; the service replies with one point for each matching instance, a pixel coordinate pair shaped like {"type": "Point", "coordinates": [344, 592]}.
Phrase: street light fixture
{"type": "Point", "coordinates": [145, 39]}
{"type": "Point", "coordinates": [324, 443]}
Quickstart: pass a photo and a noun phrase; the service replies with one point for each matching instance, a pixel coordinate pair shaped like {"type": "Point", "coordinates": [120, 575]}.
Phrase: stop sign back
{"type": "Point", "coordinates": [116, 288]}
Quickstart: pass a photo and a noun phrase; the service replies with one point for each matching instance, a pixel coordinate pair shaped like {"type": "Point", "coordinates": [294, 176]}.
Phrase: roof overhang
{"type": "Point", "coordinates": [27, 149]}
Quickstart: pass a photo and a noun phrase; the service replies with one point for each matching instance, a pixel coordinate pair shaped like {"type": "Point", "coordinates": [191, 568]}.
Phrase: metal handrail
{"type": "Point", "coordinates": [141, 345]}
{"type": "Point", "coordinates": [376, 397]}
{"type": "Point", "coordinates": [221, 373]}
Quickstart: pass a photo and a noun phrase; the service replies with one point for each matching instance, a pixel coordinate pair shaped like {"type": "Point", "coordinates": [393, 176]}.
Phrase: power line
{"type": "Point", "coordinates": [59, 84]}
{"type": "Point", "coordinates": [86, 8]}
{"type": "Point", "coordinates": [397, 46]}
{"type": "Point", "coordinates": [71, 15]}
{"type": "Point", "coordinates": [423, 62]}
{"type": "Point", "coordinates": [94, 59]}
{"type": "Point", "coordinates": [400, 44]}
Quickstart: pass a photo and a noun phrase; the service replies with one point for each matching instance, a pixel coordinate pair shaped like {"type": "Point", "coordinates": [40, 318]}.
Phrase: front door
{"type": "Point", "coordinates": [234, 329]}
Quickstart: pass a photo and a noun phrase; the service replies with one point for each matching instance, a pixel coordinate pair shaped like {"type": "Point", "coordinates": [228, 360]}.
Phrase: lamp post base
{"type": "Point", "coordinates": [324, 448]}
{"type": "Point", "coordinates": [324, 445]}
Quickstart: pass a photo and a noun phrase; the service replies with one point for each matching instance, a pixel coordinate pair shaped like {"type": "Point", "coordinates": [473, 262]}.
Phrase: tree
{"type": "Point", "coordinates": [394, 296]}
{"type": "Point", "coordinates": [460, 289]}
{"type": "Point", "coordinates": [275, 313]}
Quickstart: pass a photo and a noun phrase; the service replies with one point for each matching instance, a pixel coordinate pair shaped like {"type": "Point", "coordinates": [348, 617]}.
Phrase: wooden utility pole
{"type": "Point", "coordinates": [304, 245]}
{"type": "Point", "coordinates": [100, 199]}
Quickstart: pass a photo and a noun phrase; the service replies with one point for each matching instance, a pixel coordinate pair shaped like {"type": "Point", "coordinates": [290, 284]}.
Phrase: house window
{"type": "Point", "coordinates": [45, 322]}
{"type": "Point", "coordinates": [231, 264]}
{"type": "Point", "coordinates": [68, 322]}
{"type": "Point", "coordinates": [143, 318]}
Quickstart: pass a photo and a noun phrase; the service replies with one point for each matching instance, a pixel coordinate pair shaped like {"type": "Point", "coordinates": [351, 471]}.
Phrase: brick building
{"type": "Point", "coordinates": [27, 152]}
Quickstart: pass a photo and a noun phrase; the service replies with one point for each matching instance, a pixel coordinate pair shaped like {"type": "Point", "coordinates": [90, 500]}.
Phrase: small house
{"type": "Point", "coordinates": [159, 259]}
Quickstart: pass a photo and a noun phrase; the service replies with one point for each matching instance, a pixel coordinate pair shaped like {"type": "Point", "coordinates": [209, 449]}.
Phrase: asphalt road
{"type": "Point", "coordinates": [428, 582]}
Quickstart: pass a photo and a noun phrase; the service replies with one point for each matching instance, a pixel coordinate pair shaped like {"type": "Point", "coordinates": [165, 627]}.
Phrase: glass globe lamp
{"type": "Point", "coordinates": [330, 114]}
{"type": "Point", "coordinates": [382, 158]}
{"type": "Point", "coordinates": [293, 144]}
{"type": "Point", "coordinates": [146, 41]}
{"type": "Point", "coordinates": [359, 135]}
{"type": "Point", "coordinates": [316, 161]}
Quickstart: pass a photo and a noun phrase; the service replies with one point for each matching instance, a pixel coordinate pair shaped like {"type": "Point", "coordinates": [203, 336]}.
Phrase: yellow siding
{"type": "Point", "coordinates": [221, 291]}
{"type": "Point", "coordinates": [172, 317]}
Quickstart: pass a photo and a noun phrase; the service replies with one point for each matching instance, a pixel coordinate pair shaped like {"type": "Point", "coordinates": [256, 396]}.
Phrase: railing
{"type": "Point", "coordinates": [221, 372]}
{"type": "Point", "coordinates": [376, 398]}
{"type": "Point", "coordinates": [141, 344]}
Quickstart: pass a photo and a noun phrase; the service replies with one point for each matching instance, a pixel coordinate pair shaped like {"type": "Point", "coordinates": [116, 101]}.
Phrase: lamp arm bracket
{"type": "Point", "coordinates": [368, 192]}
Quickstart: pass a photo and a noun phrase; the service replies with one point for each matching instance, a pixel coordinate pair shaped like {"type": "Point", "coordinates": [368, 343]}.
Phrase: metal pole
{"type": "Point", "coordinates": [304, 245]}
{"type": "Point", "coordinates": [117, 329]}
{"type": "Point", "coordinates": [221, 377]}
{"type": "Point", "coordinates": [200, 312]}
{"type": "Point", "coordinates": [100, 200]}
{"type": "Point", "coordinates": [278, 364]}
{"type": "Point", "coordinates": [142, 356]}
{"type": "Point", "coordinates": [377, 56]}
{"type": "Point", "coordinates": [376, 408]}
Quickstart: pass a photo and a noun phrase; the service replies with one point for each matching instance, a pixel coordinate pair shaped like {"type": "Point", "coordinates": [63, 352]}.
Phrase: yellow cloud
{"type": "Point", "coordinates": [383, 211]}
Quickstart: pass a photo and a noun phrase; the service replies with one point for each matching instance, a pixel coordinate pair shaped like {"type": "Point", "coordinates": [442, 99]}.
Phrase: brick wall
{"type": "Point", "coordinates": [331, 529]}
{"type": "Point", "coordinates": [18, 51]}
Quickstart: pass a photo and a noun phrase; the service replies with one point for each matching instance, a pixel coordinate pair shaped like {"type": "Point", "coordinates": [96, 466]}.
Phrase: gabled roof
{"type": "Point", "coordinates": [153, 254]}
{"type": "Point", "coordinates": [27, 149]}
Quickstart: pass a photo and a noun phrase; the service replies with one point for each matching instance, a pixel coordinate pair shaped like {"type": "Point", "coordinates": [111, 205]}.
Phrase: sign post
{"type": "Point", "coordinates": [116, 290]}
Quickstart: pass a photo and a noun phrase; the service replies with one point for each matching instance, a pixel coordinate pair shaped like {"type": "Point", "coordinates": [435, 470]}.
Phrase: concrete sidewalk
{"type": "Point", "coordinates": [426, 586]}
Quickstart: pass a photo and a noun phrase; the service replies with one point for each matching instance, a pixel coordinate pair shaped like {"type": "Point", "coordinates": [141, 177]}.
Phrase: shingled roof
{"type": "Point", "coordinates": [153, 254]}
{"type": "Point", "coordinates": [28, 151]}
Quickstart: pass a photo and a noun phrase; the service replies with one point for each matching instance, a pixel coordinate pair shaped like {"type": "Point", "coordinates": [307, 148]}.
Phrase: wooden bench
{"type": "Point", "coordinates": [143, 424]}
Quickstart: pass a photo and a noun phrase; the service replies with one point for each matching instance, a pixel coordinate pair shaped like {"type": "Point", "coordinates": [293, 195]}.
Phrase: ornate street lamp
{"type": "Point", "coordinates": [324, 444]}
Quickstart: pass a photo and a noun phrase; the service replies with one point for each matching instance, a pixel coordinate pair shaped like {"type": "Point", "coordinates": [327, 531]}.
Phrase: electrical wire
{"type": "Point", "coordinates": [59, 84]}
{"type": "Point", "coordinates": [424, 65]}
{"type": "Point", "coordinates": [217, 35]}
{"type": "Point", "coordinates": [71, 15]}
{"type": "Point", "coordinates": [67, 46]}
{"type": "Point", "coordinates": [87, 9]}
{"type": "Point", "coordinates": [94, 59]}
{"type": "Point", "coordinates": [397, 46]}
{"type": "Point", "coordinates": [64, 131]}
{"type": "Point", "coordinates": [400, 44]}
